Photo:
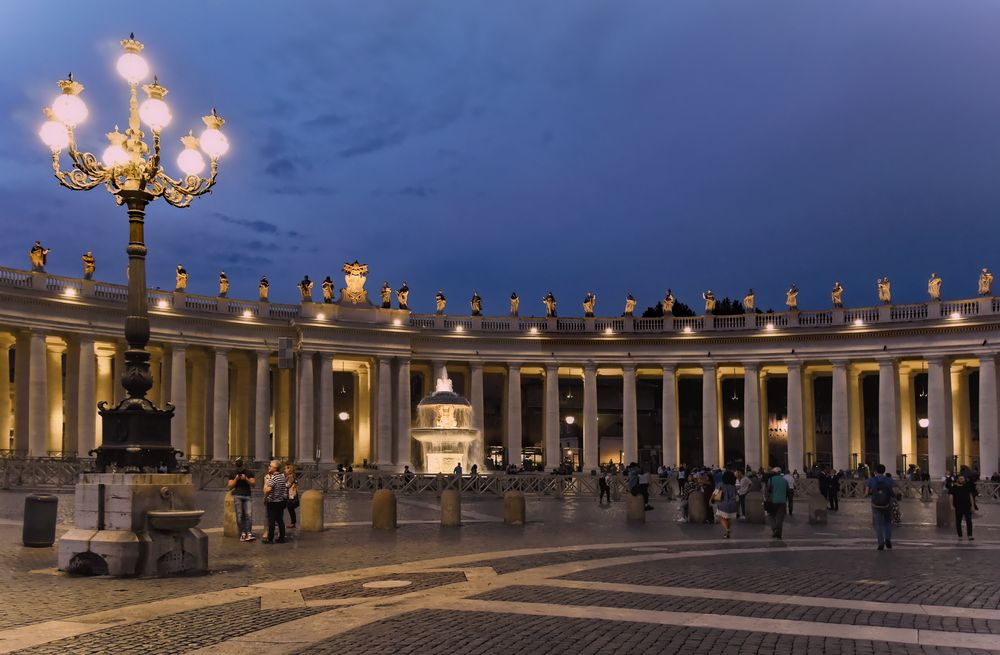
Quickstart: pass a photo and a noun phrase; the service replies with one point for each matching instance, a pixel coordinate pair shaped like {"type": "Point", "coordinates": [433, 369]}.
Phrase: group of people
{"type": "Point", "coordinates": [281, 494]}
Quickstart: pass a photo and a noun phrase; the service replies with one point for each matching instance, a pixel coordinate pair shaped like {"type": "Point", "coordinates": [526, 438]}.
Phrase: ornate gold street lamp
{"type": "Point", "coordinates": [136, 433]}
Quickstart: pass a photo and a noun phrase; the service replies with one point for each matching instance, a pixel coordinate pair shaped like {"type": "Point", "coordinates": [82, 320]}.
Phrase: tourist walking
{"type": "Point", "coordinates": [881, 489]}
{"type": "Point", "coordinates": [292, 486]}
{"type": "Point", "coordinates": [742, 489]}
{"type": "Point", "coordinates": [776, 495]}
{"type": "Point", "coordinates": [727, 503]}
{"type": "Point", "coordinates": [644, 489]}
{"type": "Point", "coordinates": [963, 501]}
{"type": "Point", "coordinates": [790, 479]}
{"type": "Point", "coordinates": [833, 490]}
{"type": "Point", "coordinates": [604, 483]}
{"type": "Point", "coordinates": [275, 496]}
{"type": "Point", "coordinates": [241, 483]}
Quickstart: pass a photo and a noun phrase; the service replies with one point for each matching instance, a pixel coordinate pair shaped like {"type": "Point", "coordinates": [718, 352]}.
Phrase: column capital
{"type": "Point", "coordinates": [262, 353]}
{"type": "Point", "coordinates": [177, 347]}
{"type": "Point", "coordinates": [476, 364]}
{"type": "Point", "coordinates": [514, 366]}
{"type": "Point", "coordinates": [751, 367]}
{"type": "Point", "coordinates": [221, 351]}
{"type": "Point", "coordinates": [551, 368]}
{"type": "Point", "coordinates": [669, 367]}
{"type": "Point", "coordinates": [55, 347]}
{"type": "Point", "coordinates": [628, 368]}
{"type": "Point", "coordinates": [326, 357]}
{"type": "Point", "coordinates": [794, 363]}
{"type": "Point", "coordinates": [590, 367]}
{"type": "Point", "coordinates": [887, 360]}
{"type": "Point", "coordinates": [939, 360]}
{"type": "Point", "coordinates": [709, 366]}
{"type": "Point", "coordinates": [83, 338]}
{"type": "Point", "coordinates": [987, 357]}
{"type": "Point", "coordinates": [840, 363]}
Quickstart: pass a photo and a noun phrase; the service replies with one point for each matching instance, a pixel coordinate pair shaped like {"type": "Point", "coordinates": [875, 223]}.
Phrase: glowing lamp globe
{"type": "Point", "coordinates": [570, 420]}
{"type": "Point", "coordinates": [132, 67]}
{"type": "Point", "coordinates": [214, 143]}
{"type": "Point", "coordinates": [54, 134]}
{"type": "Point", "coordinates": [343, 416]}
{"type": "Point", "coordinates": [114, 156]}
{"type": "Point", "coordinates": [190, 162]}
{"type": "Point", "coordinates": [155, 113]}
{"type": "Point", "coordinates": [734, 423]}
{"type": "Point", "coordinates": [69, 109]}
{"type": "Point", "coordinates": [923, 422]}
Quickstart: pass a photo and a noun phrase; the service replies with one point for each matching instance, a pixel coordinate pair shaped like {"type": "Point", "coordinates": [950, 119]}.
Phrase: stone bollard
{"type": "Point", "coordinates": [697, 507]}
{"type": "Point", "coordinates": [635, 509]}
{"type": "Point", "coordinates": [384, 510]}
{"type": "Point", "coordinates": [451, 508]}
{"type": "Point", "coordinates": [944, 510]}
{"type": "Point", "coordinates": [311, 511]}
{"type": "Point", "coordinates": [755, 507]}
{"type": "Point", "coordinates": [513, 508]}
{"type": "Point", "coordinates": [817, 510]}
{"type": "Point", "coordinates": [229, 527]}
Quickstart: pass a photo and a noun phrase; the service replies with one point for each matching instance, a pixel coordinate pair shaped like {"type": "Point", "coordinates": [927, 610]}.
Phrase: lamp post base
{"type": "Point", "coordinates": [136, 438]}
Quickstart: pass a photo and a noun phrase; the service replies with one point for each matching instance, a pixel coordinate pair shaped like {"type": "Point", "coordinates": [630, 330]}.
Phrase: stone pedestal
{"type": "Point", "coordinates": [698, 509]}
{"type": "Point", "coordinates": [229, 527]}
{"type": "Point", "coordinates": [384, 510]}
{"type": "Point", "coordinates": [635, 510]}
{"type": "Point", "coordinates": [451, 508]}
{"type": "Point", "coordinates": [755, 508]}
{"type": "Point", "coordinates": [134, 524]}
{"type": "Point", "coordinates": [944, 510]}
{"type": "Point", "coordinates": [514, 508]}
{"type": "Point", "coordinates": [311, 511]}
{"type": "Point", "coordinates": [817, 510]}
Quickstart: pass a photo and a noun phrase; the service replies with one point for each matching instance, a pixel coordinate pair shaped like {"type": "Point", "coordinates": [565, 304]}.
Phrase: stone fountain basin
{"type": "Point", "coordinates": [174, 520]}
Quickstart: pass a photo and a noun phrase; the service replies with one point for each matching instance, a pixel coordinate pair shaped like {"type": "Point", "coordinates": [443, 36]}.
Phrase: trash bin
{"type": "Point", "coordinates": [39, 520]}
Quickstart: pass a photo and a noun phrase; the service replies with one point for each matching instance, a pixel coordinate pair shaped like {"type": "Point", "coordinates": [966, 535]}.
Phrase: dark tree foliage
{"type": "Point", "coordinates": [680, 309]}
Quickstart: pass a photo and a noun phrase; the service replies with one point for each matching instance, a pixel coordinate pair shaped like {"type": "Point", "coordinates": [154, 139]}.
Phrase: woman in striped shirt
{"type": "Point", "coordinates": [275, 497]}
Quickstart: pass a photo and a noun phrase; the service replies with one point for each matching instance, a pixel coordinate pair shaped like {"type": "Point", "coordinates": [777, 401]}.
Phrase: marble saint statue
{"type": "Point", "coordinates": [89, 265]}
{"type": "Point", "coordinates": [328, 290]}
{"type": "Point", "coordinates": [223, 284]}
{"type": "Point", "coordinates": [934, 287]}
{"type": "Point", "coordinates": [477, 304]}
{"type": "Point", "coordinates": [38, 255]}
{"type": "Point", "coordinates": [550, 305]}
{"type": "Point", "coordinates": [792, 298]}
{"type": "Point", "coordinates": [354, 284]}
{"type": "Point", "coordinates": [589, 301]}
{"type": "Point", "coordinates": [985, 283]}
{"type": "Point", "coordinates": [749, 301]}
{"type": "Point", "coordinates": [182, 278]}
{"type": "Point", "coordinates": [440, 302]}
{"type": "Point", "coordinates": [386, 294]}
{"type": "Point", "coordinates": [668, 303]}
{"type": "Point", "coordinates": [709, 301]}
{"type": "Point", "coordinates": [264, 288]}
{"type": "Point", "coordinates": [515, 304]}
{"type": "Point", "coordinates": [837, 295]}
{"type": "Point", "coordinates": [403, 296]}
{"type": "Point", "coordinates": [306, 289]}
{"type": "Point", "coordinates": [884, 290]}
{"type": "Point", "coordinates": [629, 304]}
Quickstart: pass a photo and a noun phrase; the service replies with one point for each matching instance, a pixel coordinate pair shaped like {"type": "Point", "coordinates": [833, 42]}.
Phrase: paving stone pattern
{"type": "Point", "coordinates": [356, 588]}
{"type": "Point", "coordinates": [958, 578]}
{"type": "Point", "coordinates": [177, 633]}
{"type": "Point", "coordinates": [654, 602]}
{"type": "Point", "coordinates": [428, 632]}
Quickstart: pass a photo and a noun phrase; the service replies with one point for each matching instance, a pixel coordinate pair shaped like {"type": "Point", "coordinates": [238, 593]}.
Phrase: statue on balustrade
{"type": "Point", "coordinates": [265, 288]}
{"type": "Point", "coordinates": [38, 256]}
{"type": "Point", "coordinates": [550, 305]}
{"type": "Point", "coordinates": [328, 289]}
{"type": "Point", "coordinates": [440, 302]}
{"type": "Point", "coordinates": [668, 303]}
{"type": "Point", "coordinates": [89, 265]}
{"type": "Point", "coordinates": [403, 296]}
{"type": "Point", "coordinates": [589, 301]}
{"type": "Point", "coordinates": [749, 301]}
{"type": "Point", "coordinates": [306, 289]}
{"type": "Point", "coordinates": [223, 284]}
{"type": "Point", "coordinates": [182, 278]}
{"type": "Point", "coordinates": [477, 304]}
{"type": "Point", "coordinates": [354, 278]}
{"type": "Point", "coordinates": [386, 295]}
{"type": "Point", "coordinates": [515, 304]}
{"type": "Point", "coordinates": [934, 287]}
{"type": "Point", "coordinates": [985, 282]}
{"type": "Point", "coordinates": [792, 298]}
{"type": "Point", "coordinates": [884, 290]}
{"type": "Point", "coordinates": [709, 301]}
{"type": "Point", "coordinates": [629, 304]}
{"type": "Point", "coordinates": [837, 295]}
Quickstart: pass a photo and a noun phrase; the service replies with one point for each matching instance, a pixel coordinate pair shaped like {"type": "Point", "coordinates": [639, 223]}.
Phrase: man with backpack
{"type": "Point", "coordinates": [881, 489]}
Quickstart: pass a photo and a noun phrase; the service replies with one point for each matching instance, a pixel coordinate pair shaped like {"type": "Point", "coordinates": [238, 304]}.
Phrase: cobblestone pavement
{"type": "Point", "coordinates": [577, 578]}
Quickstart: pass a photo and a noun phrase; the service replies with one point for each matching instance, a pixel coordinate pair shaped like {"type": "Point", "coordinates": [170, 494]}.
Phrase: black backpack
{"type": "Point", "coordinates": [881, 495]}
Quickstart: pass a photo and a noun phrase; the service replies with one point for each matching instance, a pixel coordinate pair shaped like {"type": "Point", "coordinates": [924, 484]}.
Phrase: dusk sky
{"type": "Point", "coordinates": [564, 145]}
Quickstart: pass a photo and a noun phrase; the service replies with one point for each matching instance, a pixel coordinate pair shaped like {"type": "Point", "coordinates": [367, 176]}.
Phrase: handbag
{"type": "Point", "coordinates": [717, 495]}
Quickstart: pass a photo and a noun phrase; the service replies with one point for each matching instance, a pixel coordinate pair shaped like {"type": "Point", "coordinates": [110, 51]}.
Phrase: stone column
{"type": "Point", "coordinates": [514, 455]}
{"type": "Point", "coordinates": [939, 430]}
{"type": "Point", "coordinates": [283, 444]}
{"type": "Point", "coordinates": [591, 446]}
{"type": "Point", "coordinates": [22, 392]}
{"type": "Point", "coordinates": [671, 428]}
{"type": "Point", "coordinates": [630, 418]}
{"type": "Point", "coordinates": [106, 387]}
{"type": "Point", "coordinates": [220, 407]}
{"type": "Point", "coordinates": [71, 399]}
{"type": "Point", "coordinates": [306, 451]}
{"type": "Point", "coordinates": [839, 420]}
{"type": "Point", "coordinates": [855, 412]}
{"type": "Point", "coordinates": [383, 434]}
{"type": "Point", "coordinates": [751, 416]}
{"type": "Point", "coordinates": [710, 415]}
{"type": "Point", "coordinates": [552, 457]}
{"type": "Point", "coordinates": [907, 416]}
{"type": "Point", "coordinates": [989, 442]}
{"type": "Point", "coordinates": [197, 407]}
{"type": "Point", "coordinates": [5, 405]}
{"type": "Point", "coordinates": [86, 398]}
{"type": "Point", "coordinates": [960, 410]}
{"type": "Point", "coordinates": [888, 414]}
{"type": "Point", "coordinates": [178, 397]}
{"type": "Point", "coordinates": [363, 414]}
{"type": "Point", "coordinates": [796, 419]}
{"type": "Point", "coordinates": [478, 405]}
{"type": "Point", "coordinates": [403, 416]}
{"type": "Point", "coordinates": [326, 409]}
{"type": "Point", "coordinates": [54, 373]}
{"type": "Point", "coordinates": [262, 408]}
{"type": "Point", "coordinates": [37, 397]}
